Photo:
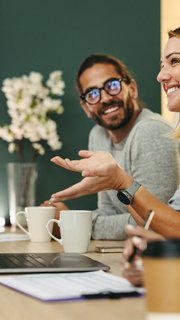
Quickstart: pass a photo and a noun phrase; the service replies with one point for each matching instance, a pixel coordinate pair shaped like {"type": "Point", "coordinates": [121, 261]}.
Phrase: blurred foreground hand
{"type": "Point", "coordinates": [138, 238]}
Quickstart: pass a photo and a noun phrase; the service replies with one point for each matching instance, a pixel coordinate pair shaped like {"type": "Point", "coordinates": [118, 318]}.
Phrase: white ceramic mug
{"type": "Point", "coordinates": [37, 218]}
{"type": "Point", "coordinates": [75, 227]}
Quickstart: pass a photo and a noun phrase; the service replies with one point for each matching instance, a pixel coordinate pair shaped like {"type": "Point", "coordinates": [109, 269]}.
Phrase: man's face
{"type": "Point", "coordinates": [111, 112]}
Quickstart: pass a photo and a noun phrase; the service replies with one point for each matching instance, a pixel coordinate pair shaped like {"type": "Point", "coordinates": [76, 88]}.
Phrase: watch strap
{"type": "Point", "coordinates": [133, 187]}
{"type": "Point", "coordinates": [126, 195]}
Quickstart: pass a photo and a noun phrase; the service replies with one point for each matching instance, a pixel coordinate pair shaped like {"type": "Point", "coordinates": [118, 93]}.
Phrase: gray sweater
{"type": "Point", "coordinates": [149, 156]}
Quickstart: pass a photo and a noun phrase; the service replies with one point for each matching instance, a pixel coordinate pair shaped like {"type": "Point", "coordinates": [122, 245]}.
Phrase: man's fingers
{"type": "Point", "coordinates": [70, 193]}
{"type": "Point", "coordinates": [59, 161]}
{"type": "Point", "coordinates": [85, 153]}
{"type": "Point", "coordinates": [74, 165]}
{"type": "Point", "coordinates": [66, 163]}
{"type": "Point", "coordinates": [77, 190]}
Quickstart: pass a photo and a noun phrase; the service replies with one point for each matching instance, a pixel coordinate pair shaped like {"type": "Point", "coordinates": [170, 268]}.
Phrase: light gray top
{"type": "Point", "coordinates": [174, 202]}
{"type": "Point", "coordinates": [149, 156]}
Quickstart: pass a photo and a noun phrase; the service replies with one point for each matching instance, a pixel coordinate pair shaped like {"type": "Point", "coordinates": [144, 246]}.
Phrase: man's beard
{"type": "Point", "coordinates": [128, 113]}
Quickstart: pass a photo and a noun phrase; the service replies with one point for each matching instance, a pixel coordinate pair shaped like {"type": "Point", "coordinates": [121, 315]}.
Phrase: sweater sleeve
{"type": "Point", "coordinates": [110, 218]}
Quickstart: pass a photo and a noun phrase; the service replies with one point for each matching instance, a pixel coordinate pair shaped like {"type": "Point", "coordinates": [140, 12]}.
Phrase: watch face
{"type": "Point", "coordinates": [124, 197]}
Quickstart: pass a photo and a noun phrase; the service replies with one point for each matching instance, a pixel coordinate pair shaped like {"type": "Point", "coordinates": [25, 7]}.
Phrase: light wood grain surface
{"type": "Point", "coordinates": [17, 306]}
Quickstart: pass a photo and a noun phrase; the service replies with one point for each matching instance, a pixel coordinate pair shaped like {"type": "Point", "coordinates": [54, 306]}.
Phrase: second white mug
{"type": "Point", "coordinates": [75, 227]}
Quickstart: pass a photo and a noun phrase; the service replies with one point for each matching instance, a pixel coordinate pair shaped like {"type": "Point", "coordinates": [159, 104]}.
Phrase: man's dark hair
{"type": "Point", "coordinates": [107, 59]}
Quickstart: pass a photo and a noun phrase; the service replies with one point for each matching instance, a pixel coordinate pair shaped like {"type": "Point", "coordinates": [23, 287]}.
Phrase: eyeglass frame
{"type": "Point", "coordinates": [83, 96]}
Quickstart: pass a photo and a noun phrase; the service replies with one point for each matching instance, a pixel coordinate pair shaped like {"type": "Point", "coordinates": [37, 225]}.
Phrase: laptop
{"type": "Point", "coordinates": [48, 262]}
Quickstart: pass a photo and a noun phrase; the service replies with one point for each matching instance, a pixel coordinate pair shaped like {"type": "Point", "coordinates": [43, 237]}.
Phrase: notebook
{"type": "Point", "coordinates": [48, 262]}
{"type": "Point", "coordinates": [71, 286]}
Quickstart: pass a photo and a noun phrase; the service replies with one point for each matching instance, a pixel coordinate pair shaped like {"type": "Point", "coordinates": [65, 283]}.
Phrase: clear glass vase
{"type": "Point", "coordinates": [21, 187]}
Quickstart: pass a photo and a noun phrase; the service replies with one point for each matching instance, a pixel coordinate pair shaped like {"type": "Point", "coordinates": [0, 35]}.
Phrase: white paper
{"type": "Point", "coordinates": [66, 286]}
{"type": "Point", "coordinates": [5, 237]}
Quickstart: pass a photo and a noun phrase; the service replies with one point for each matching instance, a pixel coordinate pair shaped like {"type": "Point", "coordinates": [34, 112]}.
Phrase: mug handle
{"type": "Point", "coordinates": [18, 223]}
{"type": "Point", "coordinates": [47, 227]}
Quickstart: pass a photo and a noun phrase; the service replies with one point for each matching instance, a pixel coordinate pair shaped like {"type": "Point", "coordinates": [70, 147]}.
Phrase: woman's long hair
{"type": "Point", "coordinates": [176, 33]}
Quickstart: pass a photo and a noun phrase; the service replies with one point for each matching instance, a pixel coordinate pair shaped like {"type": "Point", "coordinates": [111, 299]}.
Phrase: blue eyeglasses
{"type": "Point", "coordinates": [112, 87]}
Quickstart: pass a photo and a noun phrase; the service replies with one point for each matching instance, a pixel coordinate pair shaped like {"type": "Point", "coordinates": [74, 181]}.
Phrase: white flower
{"type": "Point", "coordinates": [31, 101]}
{"type": "Point", "coordinates": [55, 83]}
{"type": "Point", "coordinates": [12, 147]}
{"type": "Point", "coordinates": [6, 134]}
{"type": "Point", "coordinates": [39, 148]}
{"type": "Point", "coordinates": [35, 77]}
{"type": "Point", "coordinates": [16, 131]}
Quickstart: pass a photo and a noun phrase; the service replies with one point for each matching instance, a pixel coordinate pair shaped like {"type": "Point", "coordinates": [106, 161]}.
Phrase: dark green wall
{"type": "Point", "coordinates": [45, 35]}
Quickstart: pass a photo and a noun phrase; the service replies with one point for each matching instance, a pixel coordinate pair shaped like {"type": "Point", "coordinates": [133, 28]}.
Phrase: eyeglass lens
{"type": "Point", "coordinates": [111, 87]}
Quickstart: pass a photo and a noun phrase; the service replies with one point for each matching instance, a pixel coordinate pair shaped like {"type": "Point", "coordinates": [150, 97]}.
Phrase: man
{"type": "Point", "coordinates": [136, 137]}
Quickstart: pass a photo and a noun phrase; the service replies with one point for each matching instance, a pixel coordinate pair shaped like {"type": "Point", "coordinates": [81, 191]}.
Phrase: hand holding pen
{"type": "Point", "coordinates": [134, 248]}
{"type": "Point", "coordinates": [140, 246]}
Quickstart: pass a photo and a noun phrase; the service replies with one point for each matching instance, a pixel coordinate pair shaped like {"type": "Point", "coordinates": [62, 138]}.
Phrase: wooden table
{"type": "Point", "coordinates": [18, 306]}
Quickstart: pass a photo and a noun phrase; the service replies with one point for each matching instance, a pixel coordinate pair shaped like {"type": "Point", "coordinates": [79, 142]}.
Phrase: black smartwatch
{"type": "Point", "coordinates": [126, 195]}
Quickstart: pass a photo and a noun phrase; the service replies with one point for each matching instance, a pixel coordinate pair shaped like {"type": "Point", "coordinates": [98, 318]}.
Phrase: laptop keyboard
{"type": "Point", "coordinates": [18, 260]}
{"type": "Point", "coordinates": [47, 262]}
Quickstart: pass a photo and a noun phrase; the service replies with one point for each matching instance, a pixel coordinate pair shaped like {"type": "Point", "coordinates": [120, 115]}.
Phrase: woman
{"type": "Point", "coordinates": [102, 172]}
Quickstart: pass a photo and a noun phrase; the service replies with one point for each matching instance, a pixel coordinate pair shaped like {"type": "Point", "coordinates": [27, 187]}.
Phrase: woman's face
{"type": "Point", "coordinates": [169, 75]}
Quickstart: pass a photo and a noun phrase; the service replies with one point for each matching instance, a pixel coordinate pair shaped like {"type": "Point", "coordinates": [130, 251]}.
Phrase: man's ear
{"type": "Point", "coordinates": [85, 108]}
{"type": "Point", "coordinates": [133, 89]}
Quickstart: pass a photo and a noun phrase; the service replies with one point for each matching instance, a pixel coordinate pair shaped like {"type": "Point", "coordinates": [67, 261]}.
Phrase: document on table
{"type": "Point", "coordinates": [5, 237]}
{"type": "Point", "coordinates": [71, 286]}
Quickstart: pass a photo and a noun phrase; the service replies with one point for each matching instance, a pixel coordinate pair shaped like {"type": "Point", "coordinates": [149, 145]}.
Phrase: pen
{"type": "Point", "coordinates": [110, 295]}
{"type": "Point", "coordinates": [149, 219]}
{"type": "Point", "coordinates": [147, 223]}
